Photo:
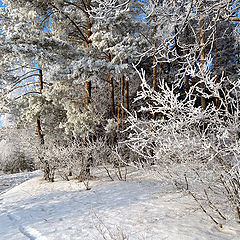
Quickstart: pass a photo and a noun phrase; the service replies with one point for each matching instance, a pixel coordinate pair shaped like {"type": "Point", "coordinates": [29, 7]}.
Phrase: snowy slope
{"type": "Point", "coordinates": [8, 181]}
{"type": "Point", "coordinates": [140, 208]}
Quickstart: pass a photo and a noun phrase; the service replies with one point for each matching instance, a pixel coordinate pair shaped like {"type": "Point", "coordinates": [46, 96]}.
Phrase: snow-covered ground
{"type": "Point", "coordinates": [140, 208]}
{"type": "Point", "coordinates": [8, 181]}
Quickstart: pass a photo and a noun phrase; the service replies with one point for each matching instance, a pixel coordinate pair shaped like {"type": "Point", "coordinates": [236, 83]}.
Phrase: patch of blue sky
{"type": "Point", "coordinates": [46, 22]}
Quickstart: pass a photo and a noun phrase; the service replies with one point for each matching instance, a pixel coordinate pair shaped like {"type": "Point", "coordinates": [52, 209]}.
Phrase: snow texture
{"type": "Point", "coordinates": [140, 208]}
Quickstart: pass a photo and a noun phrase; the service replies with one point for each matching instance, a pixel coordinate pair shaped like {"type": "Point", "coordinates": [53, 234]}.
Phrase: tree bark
{"type": "Point", "coordinates": [88, 88]}
{"type": "Point", "coordinates": [38, 122]}
{"type": "Point", "coordinates": [112, 97]}
{"type": "Point", "coordinates": [122, 94]}
{"type": "Point", "coordinates": [88, 84]}
{"type": "Point", "coordinates": [119, 105]}
{"type": "Point", "coordinates": [126, 92]}
{"type": "Point", "coordinates": [154, 80]}
{"type": "Point", "coordinates": [112, 112]}
{"type": "Point", "coordinates": [217, 101]}
{"type": "Point", "coordinates": [187, 86]}
{"type": "Point", "coordinates": [47, 171]}
{"type": "Point", "coordinates": [202, 55]}
{"type": "Point", "coordinates": [87, 93]}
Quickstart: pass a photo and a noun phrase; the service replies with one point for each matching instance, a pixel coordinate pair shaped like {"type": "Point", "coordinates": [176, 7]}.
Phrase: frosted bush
{"type": "Point", "coordinates": [195, 149]}
{"type": "Point", "coordinates": [16, 153]}
{"type": "Point", "coordinates": [111, 125]}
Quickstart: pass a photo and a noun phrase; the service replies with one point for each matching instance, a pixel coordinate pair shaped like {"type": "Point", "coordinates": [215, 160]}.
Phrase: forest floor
{"type": "Point", "coordinates": [141, 208]}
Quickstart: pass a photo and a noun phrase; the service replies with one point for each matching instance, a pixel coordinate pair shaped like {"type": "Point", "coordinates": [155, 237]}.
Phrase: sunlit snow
{"type": "Point", "coordinates": [139, 208]}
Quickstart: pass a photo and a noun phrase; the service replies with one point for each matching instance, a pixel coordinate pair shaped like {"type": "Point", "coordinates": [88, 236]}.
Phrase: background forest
{"type": "Point", "coordinates": [117, 83]}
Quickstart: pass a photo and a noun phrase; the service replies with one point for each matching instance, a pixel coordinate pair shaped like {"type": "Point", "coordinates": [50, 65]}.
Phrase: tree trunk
{"type": "Point", "coordinates": [112, 97]}
{"type": "Point", "coordinates": [112, 112]}
{"type": "Point", "coordinates": [122, 95]}
{"type": "Point", "coordinates": [87, 93]}
{"type": "Point", "coordinates": [88, 83]}
{"type": "Point", "coordinates": [38, 122]}
{"type": "Point", "coordinates": [39, 130]}
{"type": "Point", "coordinates": [47, 171]}
{"type": "Point", "coordinates": [154, 81]}
{"type": "Point", "coordinates": [186, 52]}
{"type": "Point", "coordinates": [217, 101]}
{"type": "Point", "coordinates": [202, 55]}
{"type": "Point", "coordinates": [126, 92]}
{"type": "Point", "coordinates": [119, 105]}
{"type": "Point", "coordinates": [88, 87]}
